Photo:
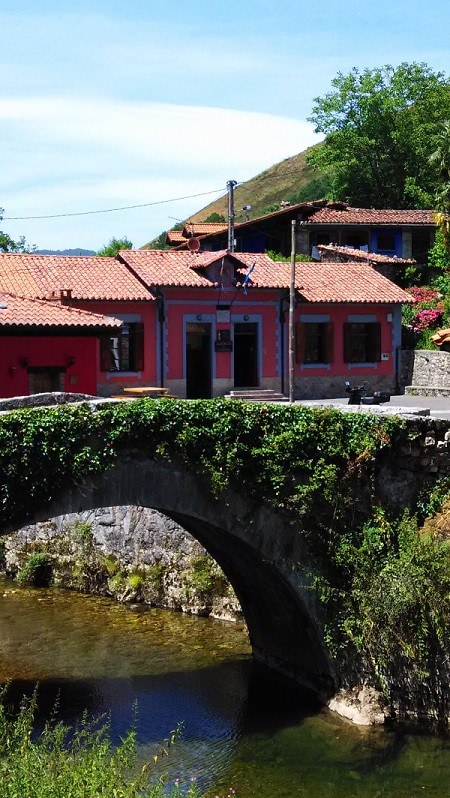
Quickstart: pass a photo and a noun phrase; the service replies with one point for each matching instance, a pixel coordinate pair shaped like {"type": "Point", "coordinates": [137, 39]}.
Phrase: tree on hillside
{"type": "Point", "coordinates": [7, 244]}
{"type": "Point", "coordinates": [381, 126]}
{"type": "Point", "coordinates": [215, 217]}
{"type": "Point", "coordinates": [115, 245]}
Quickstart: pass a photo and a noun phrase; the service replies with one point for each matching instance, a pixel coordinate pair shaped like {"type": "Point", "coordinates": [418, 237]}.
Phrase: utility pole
{"type": "Point", "coordinates": [230, 186]}
{"type": "Point", "coordinates": [291, 314]}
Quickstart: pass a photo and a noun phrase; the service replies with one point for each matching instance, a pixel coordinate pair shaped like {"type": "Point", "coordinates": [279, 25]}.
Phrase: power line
{"type": "Point", "coordinates": [266, 178]}
{"type": "Point", "coordinates": [111, 210]}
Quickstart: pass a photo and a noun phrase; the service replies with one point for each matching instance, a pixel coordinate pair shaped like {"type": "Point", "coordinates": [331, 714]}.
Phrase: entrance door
{"type": "Point", "coordinates": [198, 360]}
{"type": "Point", "coordinates": [46, 380]}
{"type": "Point", "coordinates": [246, 355]}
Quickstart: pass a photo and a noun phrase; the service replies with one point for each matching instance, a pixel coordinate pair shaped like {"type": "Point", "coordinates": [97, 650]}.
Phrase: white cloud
{"type": "Point", "coordinates": [61, 155]}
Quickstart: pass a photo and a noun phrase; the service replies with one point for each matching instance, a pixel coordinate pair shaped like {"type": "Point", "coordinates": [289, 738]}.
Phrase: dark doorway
{"type": "Point", "coordinates": [246, 355]}
{"type": "Point", "coordinates": [198, 361]}
{"type": "Point", "coordinates": [46, 379]}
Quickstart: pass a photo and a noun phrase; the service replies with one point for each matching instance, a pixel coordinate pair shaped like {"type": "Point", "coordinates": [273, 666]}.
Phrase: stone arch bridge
{"type": "Point", "coordinates": [259, 549]}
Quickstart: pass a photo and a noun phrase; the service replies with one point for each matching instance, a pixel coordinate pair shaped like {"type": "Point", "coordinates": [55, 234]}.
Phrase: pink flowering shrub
{"type": "Point", "coordinates": [426, 312]}
{"type": "Point", "coordinates": [423, 294]}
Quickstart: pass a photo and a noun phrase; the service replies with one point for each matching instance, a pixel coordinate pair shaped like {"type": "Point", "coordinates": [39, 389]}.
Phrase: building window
{"type": "Point", "coordinates": [123, 351]}
{"type": "Point", "coordinates": [362, 342]}
{"type": "Point", "coordinates": [386, 242]}
{"type": "Point", "coordinates": [356, 240]}
{"type": "Point", "coordinates": [314, 342]}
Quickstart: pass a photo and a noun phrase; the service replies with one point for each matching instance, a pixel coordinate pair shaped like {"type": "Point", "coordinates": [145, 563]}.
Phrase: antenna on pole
{"type": "Point", "coordinates": [230, 186]}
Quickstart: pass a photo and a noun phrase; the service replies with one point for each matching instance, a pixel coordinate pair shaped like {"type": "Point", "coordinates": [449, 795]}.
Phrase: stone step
{"type": "Point", "coordinates": [257, 395]}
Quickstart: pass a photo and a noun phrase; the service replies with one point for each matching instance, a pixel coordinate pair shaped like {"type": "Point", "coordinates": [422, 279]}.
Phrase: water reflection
{"type": "Point", "coordinates": [241, 728]}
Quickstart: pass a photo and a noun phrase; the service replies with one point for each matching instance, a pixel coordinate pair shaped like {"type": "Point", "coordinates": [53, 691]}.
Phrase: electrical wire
{"type": "Point", "coordinates": [268, 178]}
{"type": "Point", "coordinates": [111, 210]}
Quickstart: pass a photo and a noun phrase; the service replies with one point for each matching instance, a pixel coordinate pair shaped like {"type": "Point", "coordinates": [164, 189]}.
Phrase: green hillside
{"type": "Point", "coordinates": [291, 180]}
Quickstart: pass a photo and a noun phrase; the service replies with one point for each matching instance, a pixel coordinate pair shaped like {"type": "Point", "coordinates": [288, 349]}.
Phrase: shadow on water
{"type": "Point", "coordinates": [230, 699]}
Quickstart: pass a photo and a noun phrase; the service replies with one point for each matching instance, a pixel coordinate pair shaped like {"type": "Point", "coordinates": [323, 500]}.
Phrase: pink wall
{"type": "Point", "coordinates": [203, 303]}
{"type": "Point", "coordinates": [85, 374]}
{"type": "Point", "coordinates": [338, 316]}
{"type": "Point", "coordinates": [81, 377]}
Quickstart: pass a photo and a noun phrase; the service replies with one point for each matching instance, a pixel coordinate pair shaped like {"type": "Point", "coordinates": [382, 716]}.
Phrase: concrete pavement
{"type": "Point", "coordinates": [433, 406]}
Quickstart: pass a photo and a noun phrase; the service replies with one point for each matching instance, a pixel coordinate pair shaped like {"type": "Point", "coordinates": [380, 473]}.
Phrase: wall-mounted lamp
{"type": "Point", "coordinates": [24, 362]}
{"type": "Point", "coordinates": [199, 317]}
{"type": "Point", "coordinates": [71, 361]}
{"type": "Point", "coordinates": [246, 318]}
{"type": "Point", "coordinates": [12, 371]}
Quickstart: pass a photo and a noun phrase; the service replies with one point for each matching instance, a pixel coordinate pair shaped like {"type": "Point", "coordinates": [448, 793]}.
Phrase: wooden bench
{"type": "Point", "coordinates": [139, 392]}
{"type": "Point", "coordinates": [146, 390]}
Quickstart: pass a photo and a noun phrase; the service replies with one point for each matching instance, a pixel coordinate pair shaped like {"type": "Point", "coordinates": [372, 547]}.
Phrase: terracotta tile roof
{"type": "Point", "coordinates": [360, 255]}
{"type": "Point", "coordinates": [203, 228]}
{"type": "Point", "coordinates": [140, 270]}
{"type": "Point", "coordinates": [331, 282]}
{"type": "Point", "coordinates": [171, 268]}
{"type": "Point", "coordinates": [346, 282]}
{"type": "Point", "coordinates": [87, 277]}
{"type": "Point", "coordinates": [187, 269]}
{"type": "Point", "coordinates": [175, 237]}
{"type": "Point", "coordinates": [324, 282]}
{"type": "Point", "coordinates": [369, 216]}
{"type": "Point", "coordinates": [17, 311]}
{"type": "Point", "coordinates": [327, 212]}
{"type": "Point", "coordinates": [194, 229]}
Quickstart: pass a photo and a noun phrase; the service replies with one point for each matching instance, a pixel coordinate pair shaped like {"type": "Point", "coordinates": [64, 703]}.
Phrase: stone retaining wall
{"type": "Point", "coordinates": [425, 368]}
{"type": "Point", "coordinates": [129, 553]}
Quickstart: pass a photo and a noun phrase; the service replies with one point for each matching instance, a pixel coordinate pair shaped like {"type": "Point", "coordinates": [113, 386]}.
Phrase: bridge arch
{"type": "Point", "coordinates": [261, 554]}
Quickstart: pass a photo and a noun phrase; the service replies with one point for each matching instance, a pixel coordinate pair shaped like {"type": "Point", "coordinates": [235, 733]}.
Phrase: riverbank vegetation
{"type": "Point", "coordinates": [63, 762]}
{"type": "Point", "coordinates": [384, 580]}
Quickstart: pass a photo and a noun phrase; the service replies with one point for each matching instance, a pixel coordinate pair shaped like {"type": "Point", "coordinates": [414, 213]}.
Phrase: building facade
{"type": "Point", "coordinates": [202, 324]}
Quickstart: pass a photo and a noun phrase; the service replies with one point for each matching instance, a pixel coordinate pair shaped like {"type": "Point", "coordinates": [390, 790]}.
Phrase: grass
{"type": "Point", "coordinates": [80, 762]}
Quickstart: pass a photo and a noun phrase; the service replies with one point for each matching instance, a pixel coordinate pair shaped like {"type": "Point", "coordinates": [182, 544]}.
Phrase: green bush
{"type": "Point", "coordinates": [37, 570]}
{"type": "Point", "coordinates": [83, 531]}
{"type": "Point", "coordinates": [111, 564]}
{"type": "Point", "coordinates": [135, 581]}
{"type": "Point", "coordinates": [205, 577]}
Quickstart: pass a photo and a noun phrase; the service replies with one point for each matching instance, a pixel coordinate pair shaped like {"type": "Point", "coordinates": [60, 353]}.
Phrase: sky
{"type": "Point", "coordinates": [113, 103]}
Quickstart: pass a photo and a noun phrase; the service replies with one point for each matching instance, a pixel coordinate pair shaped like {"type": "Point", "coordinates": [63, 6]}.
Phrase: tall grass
{"type": "Point", "coordinates": [80, 762]}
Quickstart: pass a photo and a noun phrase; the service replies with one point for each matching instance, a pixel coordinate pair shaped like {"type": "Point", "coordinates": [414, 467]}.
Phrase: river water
{"type": "Point", "coordinates": [241, 728]}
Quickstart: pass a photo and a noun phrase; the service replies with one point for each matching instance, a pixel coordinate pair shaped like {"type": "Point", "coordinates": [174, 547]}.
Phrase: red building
{"type": "Point", "coordinates": [46, 346]}
{"type": "Point", "coordinates": [204, 323]}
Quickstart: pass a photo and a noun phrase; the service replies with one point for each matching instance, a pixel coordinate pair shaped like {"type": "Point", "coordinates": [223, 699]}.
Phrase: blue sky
{"type": "Point", "coordinates": [108, 104]}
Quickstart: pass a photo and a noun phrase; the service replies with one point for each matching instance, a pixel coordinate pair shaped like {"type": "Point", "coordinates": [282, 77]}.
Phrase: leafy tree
{"type": "Point", "coordinates": [278, 256]}
{"type": "Point", "coordinates": [441, 158]}
{"type": "Point", "coordinates": [381, 127]}
{"type": "Point", "coordinates": [7, 244]}
{"type": "Point", "coordinates": [160, 242]}
{"type": "Point", "coordinates": [215, 217]}
{"type": "Point", "coordinates": [115, 245]}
